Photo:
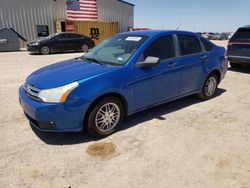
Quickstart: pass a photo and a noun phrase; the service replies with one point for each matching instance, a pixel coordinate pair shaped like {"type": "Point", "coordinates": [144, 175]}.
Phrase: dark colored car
{"type": "Point", "coordinates": [125, 74]}
{"type": "Point", "coordinates": [239, 47]}
{"type": "Point", "coordinates": [61, 42]}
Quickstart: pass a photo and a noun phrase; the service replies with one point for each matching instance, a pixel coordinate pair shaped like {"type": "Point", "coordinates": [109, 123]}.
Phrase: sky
{"type": "Point", "coordinates": [192, 15]}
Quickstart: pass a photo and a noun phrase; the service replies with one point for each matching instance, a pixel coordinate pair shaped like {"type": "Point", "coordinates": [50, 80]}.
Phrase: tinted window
{"type": "Point", "coordinates": [189, 44]}
{"type": "Point", "coordinates": [61, 36]}
{"type": "Point", "coordinates": [42, 30]}
{"type": "Point", "coordinates": [242, 34]}
{"type": "Point", "coordinates": [75, 36]}
{"type": "Point", "coordinates": [208, 46]}
{"type": "Point", "coordinates": [162, 48]}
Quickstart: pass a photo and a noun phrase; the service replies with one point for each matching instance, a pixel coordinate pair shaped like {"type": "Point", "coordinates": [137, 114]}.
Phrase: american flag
{"type": "Point", "coordinates": [81, 10]}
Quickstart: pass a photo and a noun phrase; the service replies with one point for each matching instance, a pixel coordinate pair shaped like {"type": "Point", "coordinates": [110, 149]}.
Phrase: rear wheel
{"type": "Point", "coordinates": [45, 50]}
{"type": "Point", "coordinates": [209, 87]}
{"type": "Point", "coordinates": [235, 65]}
{"type": "Point", "coordinates": [105, 117]}
{"type": "Point", "coordinates": [85, 48]}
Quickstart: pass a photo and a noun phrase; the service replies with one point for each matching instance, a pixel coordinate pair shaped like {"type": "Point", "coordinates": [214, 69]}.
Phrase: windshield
{"type": "Point", "coordinates": [116, 50]}
{"type": "Point", "coordinates": [51, 36]}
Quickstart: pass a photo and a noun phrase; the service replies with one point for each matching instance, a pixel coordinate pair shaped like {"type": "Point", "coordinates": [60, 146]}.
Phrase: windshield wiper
{"type": "Point", "coordinates": [90, 60]}
{"type": "Point", "coordinates": [95, 60]}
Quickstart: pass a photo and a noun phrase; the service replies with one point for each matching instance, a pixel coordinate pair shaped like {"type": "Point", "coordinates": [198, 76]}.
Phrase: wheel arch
{"type": "Point", "coordinates": [217, 73]}
{"type": "Point", "coordinates": [99, 98]}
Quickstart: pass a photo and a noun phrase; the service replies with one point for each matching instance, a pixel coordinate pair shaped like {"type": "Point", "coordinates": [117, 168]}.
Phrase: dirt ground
{"type": "Point", "coordinates": [186, 143]}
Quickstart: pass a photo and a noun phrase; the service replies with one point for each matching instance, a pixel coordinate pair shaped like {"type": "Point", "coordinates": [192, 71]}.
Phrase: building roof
{"type": "Point", "coordinates": [126, 3]}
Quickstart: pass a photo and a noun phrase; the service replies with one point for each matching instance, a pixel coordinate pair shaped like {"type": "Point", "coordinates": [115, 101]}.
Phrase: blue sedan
{"type": "Point", "coordinates": [125, 74]}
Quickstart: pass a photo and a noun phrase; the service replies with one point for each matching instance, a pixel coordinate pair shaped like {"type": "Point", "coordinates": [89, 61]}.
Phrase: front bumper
{"type": "Point", "coordinates": [48, 117]}
{"type": "Point", "coordinates": [34, 49]}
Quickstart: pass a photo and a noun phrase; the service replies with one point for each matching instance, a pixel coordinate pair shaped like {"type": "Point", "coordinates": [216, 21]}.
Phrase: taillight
{"type": "Point", "coordinates": [225, 55]}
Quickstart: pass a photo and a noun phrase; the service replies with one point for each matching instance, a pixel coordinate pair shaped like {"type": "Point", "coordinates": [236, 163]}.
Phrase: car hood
{"type": "Point", "coordinates": [65, 72]}
{"type": "Point", "coordinates": [38, 40]}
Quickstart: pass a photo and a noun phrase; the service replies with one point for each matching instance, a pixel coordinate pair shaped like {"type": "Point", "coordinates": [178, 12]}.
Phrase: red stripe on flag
{"type": "Point", "coordinates": [88, 11]}
{"type": "Point", "coordinates": [83, 13]}
{"type": "Point", "coordinates": [85, 17]}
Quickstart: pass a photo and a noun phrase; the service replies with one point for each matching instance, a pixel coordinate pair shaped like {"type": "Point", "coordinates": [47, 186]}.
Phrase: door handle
{"type": "Point", "coordinates": [203, 57]}
{"type": "Point", "coordinates": [172, 65]}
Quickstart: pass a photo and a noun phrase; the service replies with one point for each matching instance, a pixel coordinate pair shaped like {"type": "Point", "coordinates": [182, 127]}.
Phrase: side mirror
{"type": "Point", "coordinates": [149, 62]}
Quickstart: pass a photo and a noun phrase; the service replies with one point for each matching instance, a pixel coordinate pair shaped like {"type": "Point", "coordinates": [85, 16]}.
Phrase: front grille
{"type": "Point", "coordinates": [41, 124]}
{"type": "Point", "coordinates": [31, 91]}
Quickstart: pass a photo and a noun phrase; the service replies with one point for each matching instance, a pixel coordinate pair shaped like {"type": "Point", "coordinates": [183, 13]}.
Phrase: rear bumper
{"type": "Point", "coordinates": [66, 117]}
{"type": "Point", "coordinates": [239, 59]}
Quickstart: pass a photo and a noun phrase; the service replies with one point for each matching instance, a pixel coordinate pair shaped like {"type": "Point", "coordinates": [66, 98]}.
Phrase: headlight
{"type": "Point", "coordinates": [34, 44]}
{"type": "Point", "coordinates": [57, 95]}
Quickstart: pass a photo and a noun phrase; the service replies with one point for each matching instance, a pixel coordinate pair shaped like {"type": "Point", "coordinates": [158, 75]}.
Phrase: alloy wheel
{"type": "Point", "coordinates": [107, 117]}
{"type": "Point", "coordinates": [45, 50]}
{"type": "Point", "coordinates": [85, 48]}
{"type": "Point", "coordinates": [210, 86]}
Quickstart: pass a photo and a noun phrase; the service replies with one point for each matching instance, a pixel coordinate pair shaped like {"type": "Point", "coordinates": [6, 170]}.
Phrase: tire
{"type": "Point", "coordinates": [105, 117]}
{"type": "Point", "coordinates": [85, 48]}
{"type": "Point", "coordinates": [45, 50]}
{"type": "Point", "coordinates": [209, 88]}
{"type": "Point", "coordinates": [235, 65]}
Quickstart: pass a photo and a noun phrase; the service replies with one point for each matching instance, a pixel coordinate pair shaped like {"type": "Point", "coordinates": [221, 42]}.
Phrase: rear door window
{"type": "Point", "coordinates": [74, 36]}
{"type": "Point", "coordinates": [207, 45]}
{"type": "Point", "coordinates": [162, 48]}
{"type": "Point", "coordinates": [243, 33]}
{"type": "Point", "coordinates": [189, 44]}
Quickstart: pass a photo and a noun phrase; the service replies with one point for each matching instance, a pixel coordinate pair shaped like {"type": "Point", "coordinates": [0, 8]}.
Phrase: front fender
{"type": "Point", "coordinates": [95, 87]}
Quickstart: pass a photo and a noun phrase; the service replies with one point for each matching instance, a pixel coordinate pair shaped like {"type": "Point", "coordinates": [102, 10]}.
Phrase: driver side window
{"type": "Point", "coordinates": [162, 48]}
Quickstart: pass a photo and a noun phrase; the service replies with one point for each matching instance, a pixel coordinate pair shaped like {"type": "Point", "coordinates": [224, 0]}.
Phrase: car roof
{"type": "Point", "coordinates": [152, 33]}
{"type": "Point", "coordinates": [245, 27]}
{"type": "Point", "coordinates": [68, 33]}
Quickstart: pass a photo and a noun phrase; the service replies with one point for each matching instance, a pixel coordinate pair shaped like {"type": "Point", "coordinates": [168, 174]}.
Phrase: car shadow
{"type": "Point", "coordinates": [154, 113]}
{"type": "Point", "coordinates": [244, 69]}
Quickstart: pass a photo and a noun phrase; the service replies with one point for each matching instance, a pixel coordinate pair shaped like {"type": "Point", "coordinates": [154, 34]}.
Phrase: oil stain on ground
{"type": "Point", "coordinates": [101, 149]}
{"type": "Point", "coordinates": [222, 164]}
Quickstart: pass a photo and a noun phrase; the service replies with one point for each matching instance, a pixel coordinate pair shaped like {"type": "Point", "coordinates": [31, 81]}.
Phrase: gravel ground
{"type": "Point", "coordinates": [186, 143]}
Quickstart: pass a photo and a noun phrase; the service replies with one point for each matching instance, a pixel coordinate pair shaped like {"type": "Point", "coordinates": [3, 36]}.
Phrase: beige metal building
{"type": "Point", "coordinates": [38, 18]}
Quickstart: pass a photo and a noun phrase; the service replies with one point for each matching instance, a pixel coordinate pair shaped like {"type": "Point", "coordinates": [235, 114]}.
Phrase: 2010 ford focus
{"type": "Point", "coordinates": [125, 74]}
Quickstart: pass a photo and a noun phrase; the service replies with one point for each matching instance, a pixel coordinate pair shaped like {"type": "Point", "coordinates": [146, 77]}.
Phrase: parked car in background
{"type": "Point", "coordinates": [125, 74]}
{"type": "Point", "coordinates": [206, 35]}
{"type": "Point", "coordinates": [219, 36]}
{"type": "Point", "coordinates": [239, 47]}
{"type": "Point", "coordinates": [209, 36]}
{"type": "Point", "coordinates": [61, 42]}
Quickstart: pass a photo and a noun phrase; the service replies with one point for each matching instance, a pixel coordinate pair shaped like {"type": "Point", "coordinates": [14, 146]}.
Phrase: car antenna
{"type": "Point", "coordinates": [179, 26]}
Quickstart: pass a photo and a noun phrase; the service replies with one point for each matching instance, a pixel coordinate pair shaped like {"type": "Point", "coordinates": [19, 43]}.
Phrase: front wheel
{"type": "Point", "coordinates": [209, 87]}
{"type": "Point", "coordinates": [105, 117]}
{"type": "Point", "coordinates": [45, 50]}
